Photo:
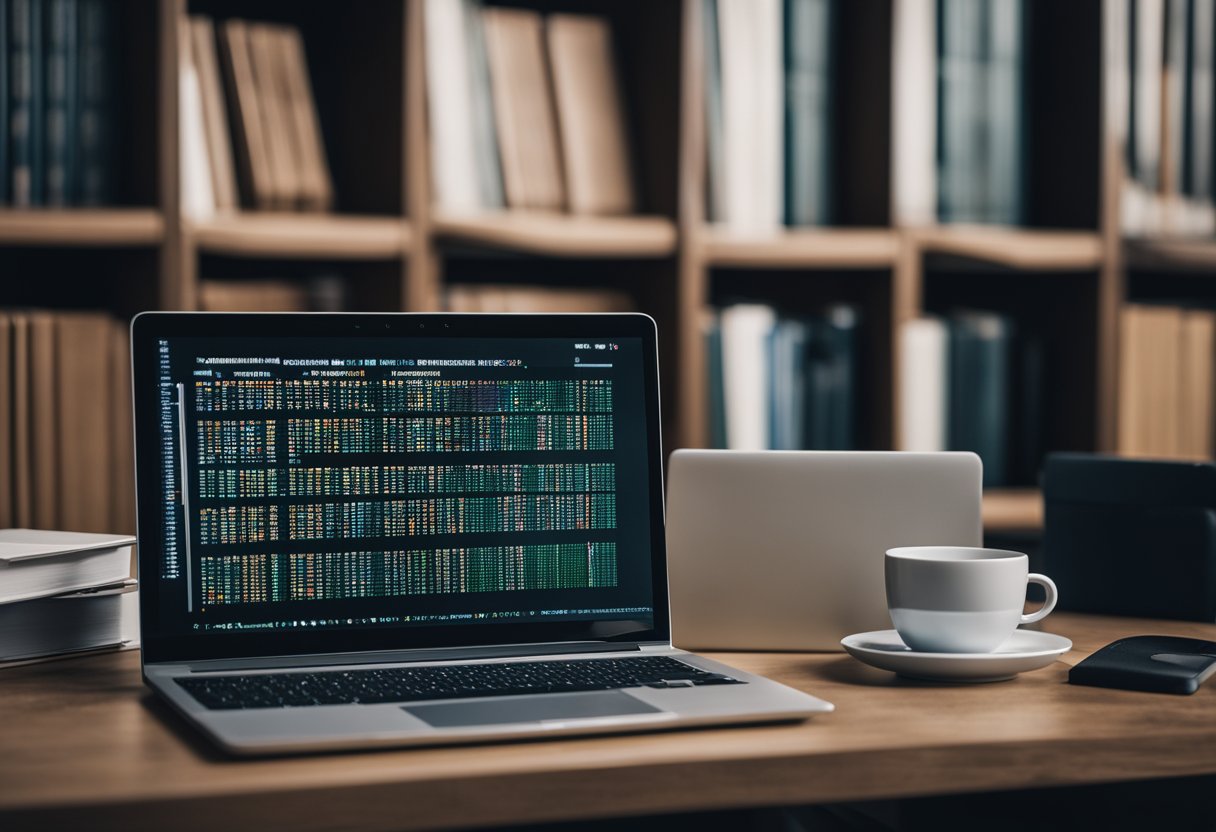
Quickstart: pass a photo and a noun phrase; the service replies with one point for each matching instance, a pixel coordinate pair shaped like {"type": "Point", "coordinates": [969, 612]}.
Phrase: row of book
{"type": "Point", "coordinates": [782, 383]}
{"type": "Point", "coordinates": [63, 593]}
{"type": "Point", "coordinates": [57, 102]}
{"type": "Point", "coordinates": [250, 133]}
{"type": "Point", "coordinates": [959, 117]}
{"type": "Point", "coordinates": [67, 459]}
{"type": "Point", "coordinates": [769, 79]}
{"type": "Point", "coordinates": [1164, 68]}
{"type": "Point", "coordinates": [1167, 382]}
{"type": "Point", "coordinates": [526, 111]}
{"type": "Point", "coordinates": [972, 381]}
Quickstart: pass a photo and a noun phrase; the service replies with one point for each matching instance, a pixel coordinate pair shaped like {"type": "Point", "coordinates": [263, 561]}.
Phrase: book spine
{"type": "Point", "coordinates": [55, 113]}
{"type": "Point", "coordinates": [841, 323]}
{"type": "Point", "coordinates": [808, 111]}
{"type": "Point", "coordinates": [979, 401]}
{"type": "Point", "coordinates": [95, 120]}
{"type": "Point", "coordinates": [21, 86]}
{"type": "Point", "coordinates": [775, 367]}
{"type": "Point", "coordinates": [1004, 97]}
{"type": "Point", "coordinates": [717, 395]}
{"type": "Point", "coordinates": [37, 105]}
{"type": "Point", "coordinates": [489, 171]}
{"type": "Point", "coordinates": [817, 430]}
{"type": "Point", "coordinates": [716, 173]}
{"type": "Point", "coordinates": [5, 59]}
{"type": "Point", "coordinates": [923, 385]}
{"type": "Point", "coordinates": [914, 118]}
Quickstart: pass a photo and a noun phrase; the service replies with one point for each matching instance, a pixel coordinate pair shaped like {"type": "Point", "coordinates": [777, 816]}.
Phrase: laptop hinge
{"type": "Point", "coordinates": [400, 656]}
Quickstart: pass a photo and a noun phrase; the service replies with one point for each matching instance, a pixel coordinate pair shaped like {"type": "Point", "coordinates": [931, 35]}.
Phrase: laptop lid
{"type": "Point", "coordinates": [314, 483]}
{"type": "Point", "coordinates": [800, 538]}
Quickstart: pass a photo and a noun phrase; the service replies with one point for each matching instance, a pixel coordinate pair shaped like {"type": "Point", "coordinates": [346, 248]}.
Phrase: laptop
{"type": "Point", "coordinates": [366, 530]}
{"type": "Point", "coordinates": [800, 539]}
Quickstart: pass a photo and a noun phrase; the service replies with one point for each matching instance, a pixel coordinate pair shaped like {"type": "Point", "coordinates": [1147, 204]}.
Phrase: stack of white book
{"type": "Point", "coordinates": [65, 592]}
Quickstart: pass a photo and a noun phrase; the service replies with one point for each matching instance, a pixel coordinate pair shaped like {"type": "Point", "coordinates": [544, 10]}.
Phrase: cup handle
{"type": "Point", "coordinates": [1050, 604]}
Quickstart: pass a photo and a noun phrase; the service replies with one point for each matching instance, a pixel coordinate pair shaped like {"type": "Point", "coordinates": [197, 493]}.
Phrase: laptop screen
{"type": "Point", "coordinates": [342, 483]}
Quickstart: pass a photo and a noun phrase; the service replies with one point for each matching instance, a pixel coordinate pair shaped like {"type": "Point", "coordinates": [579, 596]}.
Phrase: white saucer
{"type": "Point", "coordinates": [1025, 650]}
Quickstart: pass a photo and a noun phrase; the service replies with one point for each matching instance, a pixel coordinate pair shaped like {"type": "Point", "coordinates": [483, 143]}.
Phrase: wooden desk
{"type": "Point", "coordinates": [82, 743]}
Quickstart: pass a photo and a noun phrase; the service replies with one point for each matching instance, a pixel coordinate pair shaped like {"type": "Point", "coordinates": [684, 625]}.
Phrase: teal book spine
{"type": "Point", "coordinates": [20, 103]}
{"type": "Point", "coordinates": [818, 386]}
{"type": "Point", "coordinates": [94, 140]}
{"type": "Point", "coordinates": [59, 17]}
{"type": "Point", "coordinates": [841, 329]}
{"type": "Point", "coordinates": [716, 163]}
{"type": "Point", "coordinates": [4, 96]}
{"type": "Point", "coordinates": [37, 105]}
{"type": "Point", "coordinates": [979, 391]}
{"type": "Point", "coordinates": [717, 392]}
{"type": "Point", "coordinates": [809, 83]}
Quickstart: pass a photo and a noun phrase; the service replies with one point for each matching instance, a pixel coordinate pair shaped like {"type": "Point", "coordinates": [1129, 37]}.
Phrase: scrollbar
{"type": "Point", "coordinates": [185, 489]}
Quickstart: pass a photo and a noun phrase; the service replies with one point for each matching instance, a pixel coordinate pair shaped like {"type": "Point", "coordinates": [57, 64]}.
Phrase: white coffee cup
{"type": "Point", "coordinates": [960, 599]}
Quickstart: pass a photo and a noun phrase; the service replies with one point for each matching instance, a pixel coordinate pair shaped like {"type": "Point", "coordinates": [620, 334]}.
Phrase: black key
{"type": "Point", "coordinates": [412, 684]}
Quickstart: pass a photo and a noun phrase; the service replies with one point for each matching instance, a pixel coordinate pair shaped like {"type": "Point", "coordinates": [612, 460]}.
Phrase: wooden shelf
{"type": "Point", "coordinates": [300, 235]}
{"type": "Point", "coordinates": [563, 235]}
{"type": "Point", "coordinates": [1013, 509]}
{"type": "Point", "coordinates": [1171, 253]}
{"type": "Point", "coordinates": [108, 227]}
{"type": "Point", "coordinates": [1017, 248]}
{"type": "Point", "coordinates": [824, 248]}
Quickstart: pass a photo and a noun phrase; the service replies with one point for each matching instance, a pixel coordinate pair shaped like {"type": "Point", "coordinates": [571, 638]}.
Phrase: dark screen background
{"type": "Point", "coordinates": [189, 362]}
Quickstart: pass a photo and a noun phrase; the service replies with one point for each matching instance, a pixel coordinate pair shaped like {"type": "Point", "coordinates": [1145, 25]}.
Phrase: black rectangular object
{"type": "Point", "coordinates": [1158, 664]}
{"type": "Point", "coordinates": [1131, 537]}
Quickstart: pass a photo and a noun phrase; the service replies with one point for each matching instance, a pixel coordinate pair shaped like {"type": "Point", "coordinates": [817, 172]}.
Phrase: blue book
{"type": "Point", "coordinates": [786, 384]}
{"type": "Point", "coordinates": [980, 347]}
{"type": "Point", "coordinates": [830, 371]}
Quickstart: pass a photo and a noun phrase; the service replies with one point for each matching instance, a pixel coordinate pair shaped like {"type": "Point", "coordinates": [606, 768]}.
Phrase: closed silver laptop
{"type": "Point", "coordinates": [783, 550]}
{"type": "Point", "coordinates": [368, 530]}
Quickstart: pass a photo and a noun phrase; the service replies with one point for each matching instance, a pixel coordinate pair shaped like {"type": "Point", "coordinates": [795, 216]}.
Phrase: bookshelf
{"type": "Point", "coordinates": [103, 228]}
{"type": "Point", "coordinates": [286, 235]}
{"type": "Point", "coordinates": [1068, 271]}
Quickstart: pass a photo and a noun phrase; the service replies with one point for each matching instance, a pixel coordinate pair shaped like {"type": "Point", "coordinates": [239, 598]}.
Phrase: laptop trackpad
{"type": "Point", "coordinates": [540, 708]}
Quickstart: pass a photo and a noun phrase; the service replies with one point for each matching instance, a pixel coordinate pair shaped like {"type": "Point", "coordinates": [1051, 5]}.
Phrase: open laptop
{"type": "Point", "coordinates": [800, 538]}
{"type": "Point", "coordinates": [360, 530]}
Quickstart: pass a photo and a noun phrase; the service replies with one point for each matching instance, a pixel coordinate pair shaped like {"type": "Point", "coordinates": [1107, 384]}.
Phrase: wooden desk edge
{"type": "Point", "coordinates": [589, 794]}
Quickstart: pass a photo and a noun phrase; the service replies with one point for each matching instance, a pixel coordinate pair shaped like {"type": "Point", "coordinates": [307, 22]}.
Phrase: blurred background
{"type": "Point", "coordinates": [876, 224]}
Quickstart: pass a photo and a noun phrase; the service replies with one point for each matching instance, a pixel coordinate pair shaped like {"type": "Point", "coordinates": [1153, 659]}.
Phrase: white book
{"type": "Point", "coordinates": [753, 96]}
{"type": "Point", "coordinates": [1149, 32]}
{"type": "Point", "coordinates": [450, 100]}
{"type": "Point", "coordinates": [66, 624]}
{"type": "Point", "coordinates": [1174, 138]}
{"type": "Point", "coordinates": [1200, 213]}
{"type": "Point", "coordinates": [36, 563]}
{"type": "Point", "coordinates": [914, 112]}
{"type": "Point", "coordinates": [198, 193]}
{"type": "Point", "coordinates": [923, 384]}
{"type": "Point", "coordinates": [745, 375]}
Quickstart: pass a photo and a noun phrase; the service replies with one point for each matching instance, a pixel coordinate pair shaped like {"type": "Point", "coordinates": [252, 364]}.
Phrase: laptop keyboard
{"type": "Point", "coordinates": [412, 684]}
